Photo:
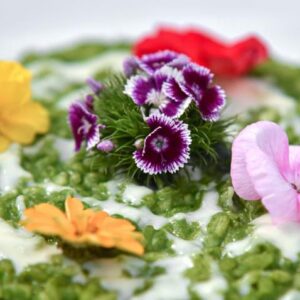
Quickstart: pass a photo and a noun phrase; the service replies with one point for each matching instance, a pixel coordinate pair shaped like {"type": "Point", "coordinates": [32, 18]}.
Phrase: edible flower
{"type": "Point", "coordinates": [265, 167]}
{"type": "Point", "coordinates": [166, 148]}
{"type": "Point", "coordinates": [196, 84]}
{"type": "Point", "coordinates": [83, 226]}
{"type": "Point", "coordinates": [21, 119]}
{"type": "Point", "coordinates": [150, 91]}
{"type": "Point", "coordinates": [84, 125]}
{"type": "Point", "coordinates": [170, 82]}
{"type": "Point", "coordinates": [222, 58]}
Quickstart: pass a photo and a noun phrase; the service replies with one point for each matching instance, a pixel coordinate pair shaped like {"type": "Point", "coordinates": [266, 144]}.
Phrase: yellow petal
{"type": "Point", "coordinates": [14, 85]}
{"type": "Point", "coordinates": [4, 143]}
{"type": "Point", "coordinates": [21, 125]}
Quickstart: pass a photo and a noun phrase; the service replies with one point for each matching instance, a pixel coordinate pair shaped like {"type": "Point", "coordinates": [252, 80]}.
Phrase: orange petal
{"type": "Point", "coordinates": [46, 215]}
{"type": "Point", "coordinates": [74, 207]}
{"type": "Point", "coordinates": [118, 224]}
{"type": "Point", "coordinates": [131, 246]}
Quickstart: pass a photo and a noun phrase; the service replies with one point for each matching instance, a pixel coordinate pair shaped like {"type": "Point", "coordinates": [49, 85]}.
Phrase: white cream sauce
{"type": "Point", "coordinates": [10, 170]}
{"type": "Point", "coordinates": [22, 247]}
{"type": "Point", "coordinates": [134, 194]}
{"type": "Point", "coordinates": [172, 285]}
{"type": "Point", "coordinates": [111, 272]}
{"type": "Point", "coordinates": [79, 71]}
{"type": "Point", "coordinates": [213, 288]}
{"type": "Point", "coordinates": [291, 295]}
{"type": "Point", "coordinates": [65, 148]}
{"type": "Point", "coordinates": [208, 208]}
{"type": "Point", "coordinates": [285, 237]}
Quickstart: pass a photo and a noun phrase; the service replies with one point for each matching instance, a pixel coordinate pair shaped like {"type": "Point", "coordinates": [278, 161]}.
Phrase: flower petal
{"type": "Point", "coordinates": [196, 80]}
{"type": "Point", "coordinates": [173, 90]}
{"type": "Point", "coordinates": [84, 126]}
{"type": "Point", "coordinates": [14, 85]}
{"type": "Point", "coordinates": [278, 195]}
{"type": "Point", "coordinates": [174, 109]}
{"type": "Point", "coordinates": [74, 207]}
{"type": "Point", "coordinates": [166, 148]}
{"type": "Point", "coordinates": [138, 88]}
{"type": "Point", "coordinates": [21, 125]}
{"type": "Point", "coordinates": [153, 62]}
{"type": "Point", "coordinates": [269, 138]}
{"type": "Point", "coordinates": [211, 103]}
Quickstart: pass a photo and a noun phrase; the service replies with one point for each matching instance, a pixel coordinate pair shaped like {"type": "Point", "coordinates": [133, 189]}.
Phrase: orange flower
{"type": "Point", "coordinates": [84, 226]}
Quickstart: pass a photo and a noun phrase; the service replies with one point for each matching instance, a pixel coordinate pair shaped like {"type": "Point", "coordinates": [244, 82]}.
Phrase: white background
{"type": "Point", "coordinates": [42, 24]}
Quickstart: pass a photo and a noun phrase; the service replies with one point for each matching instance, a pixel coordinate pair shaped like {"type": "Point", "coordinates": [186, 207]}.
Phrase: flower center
{"type": "Point", "coordinates": [156, 98]}
{"type": "Point", "coordinates": [160, 143]}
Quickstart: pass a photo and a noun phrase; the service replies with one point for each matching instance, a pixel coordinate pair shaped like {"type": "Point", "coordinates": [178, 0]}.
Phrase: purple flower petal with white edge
{"type": "Point", "coordinates": [180, 62]}
{"type": "Point", "coordinates": [130, 66]}
{"type": "Point", "coordinates": [211, 103]}
{"type": "Point", "coordinates": [154, 61]}
{"type": "Point", "coordinates": [94, 85]}
{"type": "Point", "coordinates": [106, 146]}
{"type": "Point", "coordinates": [173, 90]}
{"type": "Point", "coordinates": [174, 109]}
{"type": "Point", "coordinates": [84, 126]}
{"type": "Point", "coordinates": [166, 149]}
{"type": "Point", "coordinates": [196, 80]}
{"type": "Point", "coordinates": [138, 88]}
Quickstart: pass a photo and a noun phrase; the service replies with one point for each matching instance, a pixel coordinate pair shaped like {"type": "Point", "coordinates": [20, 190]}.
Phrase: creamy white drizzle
{"type": "Point", "coordinates": [111, 272]}
{"type": "Point", "coordinates": [79, 71]}
{"type": "Point", "coordinates": [20, 204]}
{"type": "Point", "coordinates": [208, 208]}
{"type": "Point", "coordinates": [65, 148]}
{"type": "Point", "coordinates": [172, 285]}
{"type": "Point", "coordinates": [68, 99]}
{"type": "Point", "coordinates": [284, 236]}
{"type": "Point", "coordinates": [22, 247]}
{"type": "Point", "coordinates": [213, 288]}
{"type": "Point", "coordinates": [10, 169]}
{"type": "Point", "coordinates": [291, 295]}
{"type": "Point", "coordinates": [134, 194]}
{"type": "Point", "coordinates": [46, 87]}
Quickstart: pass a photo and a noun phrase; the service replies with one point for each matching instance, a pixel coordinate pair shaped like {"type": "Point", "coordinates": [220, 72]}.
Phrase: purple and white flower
{"type": "Point", "coordinates": [149, 91]}
{"type": "Point", "coordinates": [84, 126]}
{"type": "Point", "coordinates": [196, 83]}
{"type": "Point", "coordinates": [130, 66]}
{"type": "Point", "coordinates": [166, 148]}
{"type": "Point", "coordinates": [150, 63]}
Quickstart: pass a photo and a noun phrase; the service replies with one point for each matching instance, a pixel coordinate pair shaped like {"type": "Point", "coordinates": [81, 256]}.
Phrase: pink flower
{"type": "Point", "coordinates": [265, 167]}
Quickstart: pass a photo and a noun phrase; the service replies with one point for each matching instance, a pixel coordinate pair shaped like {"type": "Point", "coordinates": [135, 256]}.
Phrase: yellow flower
{"type": "Point", "coordinates": [20, 118]}
{"type": "Point", "coordinates": [84, 226]}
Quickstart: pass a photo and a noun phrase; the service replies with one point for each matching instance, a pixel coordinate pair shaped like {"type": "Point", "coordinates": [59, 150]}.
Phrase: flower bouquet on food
{"type": "Point", "coordinates": [159, 117]}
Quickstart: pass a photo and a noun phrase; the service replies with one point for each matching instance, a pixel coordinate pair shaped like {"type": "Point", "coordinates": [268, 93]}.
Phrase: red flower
{"type": "Point", "coordinates": [222, 58]}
